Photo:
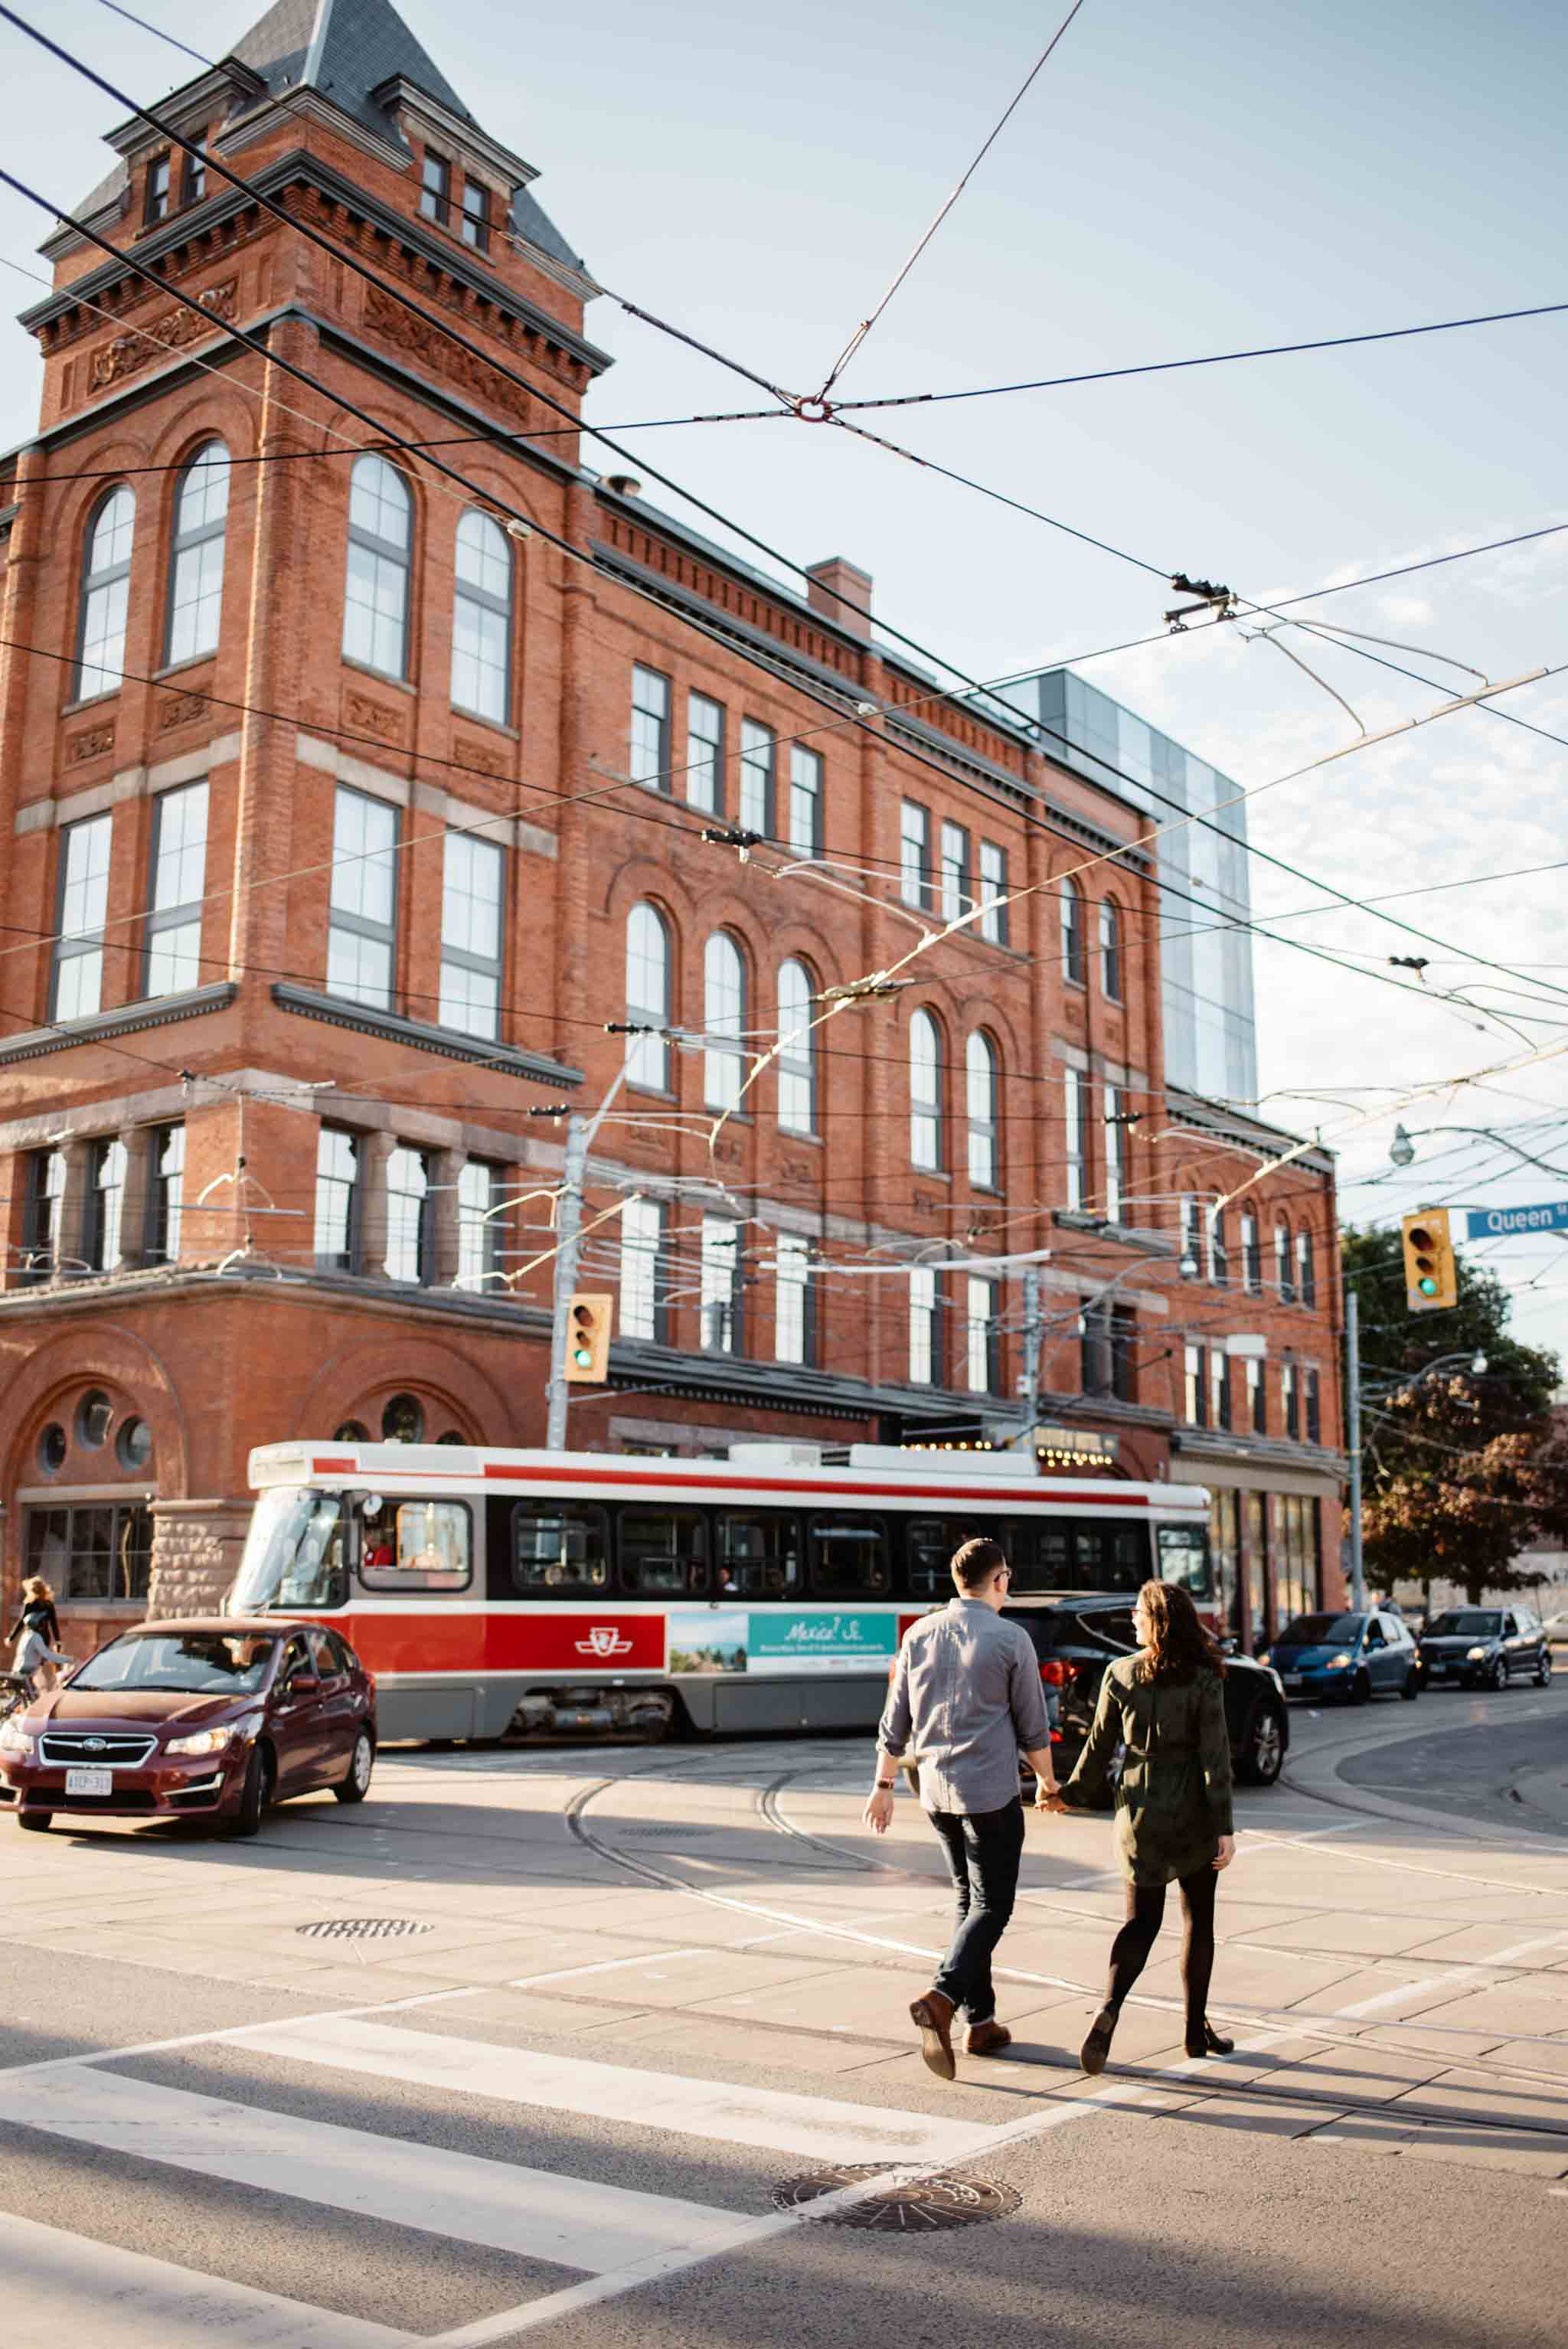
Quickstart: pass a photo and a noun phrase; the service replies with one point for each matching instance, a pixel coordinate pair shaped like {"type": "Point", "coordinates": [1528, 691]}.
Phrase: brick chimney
{"type": "Point", "coordinates": [835, 577]}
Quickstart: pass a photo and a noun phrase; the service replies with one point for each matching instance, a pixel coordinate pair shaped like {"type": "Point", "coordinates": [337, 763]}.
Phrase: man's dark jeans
{"type": "Point", "coordinates": [982, 1851]}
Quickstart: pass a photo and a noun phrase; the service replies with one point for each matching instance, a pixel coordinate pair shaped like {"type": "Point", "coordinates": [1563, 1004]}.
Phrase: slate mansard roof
{"type": "Point", "coordinates": [348, 50]}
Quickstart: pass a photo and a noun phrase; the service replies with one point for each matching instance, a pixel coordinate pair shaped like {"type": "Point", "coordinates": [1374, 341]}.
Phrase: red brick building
{"type": "Point", "coordinates": [345, 803]}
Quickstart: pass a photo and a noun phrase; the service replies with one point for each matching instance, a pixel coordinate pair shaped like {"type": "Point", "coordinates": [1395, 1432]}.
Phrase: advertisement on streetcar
{"type": "Point", "coordinates": [783, 1639]}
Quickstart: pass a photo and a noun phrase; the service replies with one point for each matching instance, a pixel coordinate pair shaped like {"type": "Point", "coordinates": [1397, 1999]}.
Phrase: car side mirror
{"type": "Point", "coordinates": [303, 1684]}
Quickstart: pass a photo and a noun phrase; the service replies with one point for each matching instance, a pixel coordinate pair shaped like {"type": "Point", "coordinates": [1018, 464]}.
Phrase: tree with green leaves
{"type": "Point", "coordinates": [1461, 1468]}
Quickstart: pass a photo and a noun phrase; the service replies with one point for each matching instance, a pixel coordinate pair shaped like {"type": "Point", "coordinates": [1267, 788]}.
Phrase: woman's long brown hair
{"type": "Point", "coordinates": [1180, 1646]}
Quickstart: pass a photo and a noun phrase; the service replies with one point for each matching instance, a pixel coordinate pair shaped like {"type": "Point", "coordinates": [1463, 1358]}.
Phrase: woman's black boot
{"type": "Point", "coordinates": [1208, 2042]}
{"type": "Point", "coordinates": [1097, 2046]}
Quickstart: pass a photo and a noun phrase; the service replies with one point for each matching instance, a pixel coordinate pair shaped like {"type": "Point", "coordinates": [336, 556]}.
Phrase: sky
{"type": "Point", "coordinates": [1176, 182]}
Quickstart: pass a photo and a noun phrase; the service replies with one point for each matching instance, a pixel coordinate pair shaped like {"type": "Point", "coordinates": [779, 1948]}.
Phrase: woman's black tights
{"type": "Point", "coordinates": [1145, 1911]}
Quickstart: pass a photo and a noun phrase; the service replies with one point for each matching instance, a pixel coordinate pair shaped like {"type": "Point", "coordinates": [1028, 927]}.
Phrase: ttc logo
{"type": "Point", "coordinates": [604, 1640]}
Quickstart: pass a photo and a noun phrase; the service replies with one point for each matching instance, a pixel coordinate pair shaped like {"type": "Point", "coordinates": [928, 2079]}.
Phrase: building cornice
{"type": "Point", "coordinates": [506, 1059]}
{"type": "Point", "coordinates": [127, 1019]}
{"type": "Point", "coordinates": [1231, 1450]}
{"type": "Point", "coordinates": [1227, 1124]}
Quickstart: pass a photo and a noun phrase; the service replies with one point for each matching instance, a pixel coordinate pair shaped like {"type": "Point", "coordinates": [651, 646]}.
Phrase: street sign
{"type": "Point", "coordinates": [1498, 1222]}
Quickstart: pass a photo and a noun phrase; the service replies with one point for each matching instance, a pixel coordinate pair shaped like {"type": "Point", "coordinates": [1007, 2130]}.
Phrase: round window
{"type": "Point", "coordinates": [94, 1415]}
{"type": "Point", "coordinates": [351, 1433]}
{"type": "Point", "coordinates": [53, 1446]}
{"type": "Point", "coordinates": [133, 1444]}
{"type": "Point", "coordinates": [451, 1436]}
{"type": "Point", "coordinates": [403, 1420]}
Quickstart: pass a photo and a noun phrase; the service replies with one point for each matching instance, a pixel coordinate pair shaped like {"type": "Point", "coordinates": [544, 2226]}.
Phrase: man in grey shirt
{"type": "Point", "coordinates": [965, 1699]}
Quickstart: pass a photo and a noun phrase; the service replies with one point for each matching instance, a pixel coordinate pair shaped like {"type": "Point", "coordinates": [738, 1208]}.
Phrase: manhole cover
{"type": "Point", "coordinates": [362, 1929]}
{"type": "Point", "coordinates": [649, 1835]}
{"type": "Point", "coordinates": [925, 2206]}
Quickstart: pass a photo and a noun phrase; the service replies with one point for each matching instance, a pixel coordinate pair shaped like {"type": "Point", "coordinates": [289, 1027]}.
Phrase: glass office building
{"type": "Point", "coordinates": [1210, 1044]}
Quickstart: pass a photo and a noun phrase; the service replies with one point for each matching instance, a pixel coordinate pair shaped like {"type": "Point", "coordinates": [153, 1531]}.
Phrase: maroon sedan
{"type": "Point", "coordinates": [212, 1717]}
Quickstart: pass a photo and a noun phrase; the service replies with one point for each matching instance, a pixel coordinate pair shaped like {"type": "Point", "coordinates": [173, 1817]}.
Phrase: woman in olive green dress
{"type": "Point", "coordinates": [1164, 1707]}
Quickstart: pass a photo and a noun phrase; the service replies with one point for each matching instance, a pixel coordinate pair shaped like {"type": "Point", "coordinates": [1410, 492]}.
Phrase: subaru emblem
{"type": "Point", "coordinates": [94, 1745]}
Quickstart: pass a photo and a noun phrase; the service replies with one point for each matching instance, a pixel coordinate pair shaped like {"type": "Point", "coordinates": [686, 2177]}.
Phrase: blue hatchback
{"type": "Point", "coordinates": [1351, 1657]}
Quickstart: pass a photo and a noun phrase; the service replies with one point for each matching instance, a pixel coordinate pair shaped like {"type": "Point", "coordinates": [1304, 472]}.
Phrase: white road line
{"type": "Point", "coordinates": [1459, 1975]}
{"type": "Point", "coordinates": [822, 2128]}
{"type": "Point", "coordinates": [94, 2293]}
{"type": "Point", "coordinates": [605, 1966]}
{"type": "Point", "coordinates": [537, 2214]}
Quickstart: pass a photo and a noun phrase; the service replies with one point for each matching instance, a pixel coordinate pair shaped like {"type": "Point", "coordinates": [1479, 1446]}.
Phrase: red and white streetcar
{"type": "Point", "coordinates": [582, 1591]}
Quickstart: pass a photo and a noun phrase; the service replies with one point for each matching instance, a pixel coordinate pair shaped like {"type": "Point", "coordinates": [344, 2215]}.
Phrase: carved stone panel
{"type": "Point", "coordinates": [481, 757]}
{"type": "Point", "coordinates": [179, 708]}
{"type": "Point", "coordinates": [169, 330]}
{"type": "Point", "coordinates": [385, 315]}
{"type": "Point", "coordinates": [366, 715]}
{"type": "Point", "coordinates": [92, 742]}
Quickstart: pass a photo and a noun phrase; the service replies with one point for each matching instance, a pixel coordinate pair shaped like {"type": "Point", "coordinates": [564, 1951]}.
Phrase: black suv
{"type": "Point", "coordinates": [1076, 1639]}
{"type": "Point", "coordinates": [1486, 1647]}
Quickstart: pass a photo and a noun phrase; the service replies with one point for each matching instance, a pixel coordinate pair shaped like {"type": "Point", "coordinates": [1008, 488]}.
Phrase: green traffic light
{"type": "Point", "coordinates": [1429, 1288]}
{"type": "Point", "coordinates": [582, 1358]}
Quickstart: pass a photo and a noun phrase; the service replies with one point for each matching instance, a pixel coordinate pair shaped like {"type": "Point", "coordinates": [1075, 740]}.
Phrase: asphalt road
{"type": "Point", "coordinates": [650, 1991]}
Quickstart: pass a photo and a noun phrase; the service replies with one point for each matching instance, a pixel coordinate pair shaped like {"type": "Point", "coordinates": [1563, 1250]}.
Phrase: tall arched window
{"type": "Point", "coordinates": [196, 555]}
{"type": "Point", "coordinates": [106, 595]}
{"type": "Point", "coordinates": [797, 1050]}
{"type": "Point", "coordinates": [481, 619]}
{"type": "Point", "coordinates": [1285, 1268]}
{"type": "Point", "coordinates": [1305, 1269]}
{"type": "Point", "coordinates": [1072, 933]}
{"type": "Point", "coordinates": [1110, 950]}
{"type": "Point", "coordinates": [648, 996]}
{"type": "Point", "coordinates": [381, 540]}
{"type": "Point", "coordinates": [980, 1057]}
{"type": "Point", "coordinates": [925, 1092]}
{"type": "Point", "coordinates": [723, 1020]}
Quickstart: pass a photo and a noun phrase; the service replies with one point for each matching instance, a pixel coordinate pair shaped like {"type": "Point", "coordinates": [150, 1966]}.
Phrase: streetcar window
{"type": "Point", "coordinates": [849, 1560]}
{"type": "Point", "coordinates": [417, 1545]}
{"type": "Point", "coordinates": [664, 1552]}
{"type": "Point", "coordinates": [1184, 1557]}
{"type": "Point", "coordinates": [560, 1547]}
{"type": "Point", "coordinates": [759, 1557]}
{"type": "Point", "coordinates": [932, 1545]}
{"type": "Point", "coordinates": [293, 1553]}
{"type": "Point", "coordinates": [1044, 1558]}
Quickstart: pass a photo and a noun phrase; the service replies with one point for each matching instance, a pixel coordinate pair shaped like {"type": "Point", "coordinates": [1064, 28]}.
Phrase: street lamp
{"type": "Point", "coordinates": [1401, 1150]}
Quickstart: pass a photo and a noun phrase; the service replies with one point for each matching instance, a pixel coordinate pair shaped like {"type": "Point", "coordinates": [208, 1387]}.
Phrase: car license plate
{"type": "Point", "coordinates": [1290, 1680]}
{"type": "Point", "coordinates": [89, 1782]}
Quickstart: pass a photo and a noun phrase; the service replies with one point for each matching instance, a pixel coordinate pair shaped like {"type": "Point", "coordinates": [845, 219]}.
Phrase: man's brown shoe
{"type": "Point", "coordinates": [932, 2016]}
{"type": "Point", "coordinates": [986, 2039]}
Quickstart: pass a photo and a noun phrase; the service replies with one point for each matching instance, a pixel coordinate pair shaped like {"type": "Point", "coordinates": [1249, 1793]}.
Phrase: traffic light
{"type": "Point", "coordinates": [1431, 1279]}
{"type": "Point", "coordinates": [588, 1339]}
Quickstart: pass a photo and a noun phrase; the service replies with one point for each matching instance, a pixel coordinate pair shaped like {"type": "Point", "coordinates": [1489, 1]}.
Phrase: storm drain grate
{"type": "Point", "coordinates": [926, 2206]}
{"type": "Point", "coordinates": [363, 1928]}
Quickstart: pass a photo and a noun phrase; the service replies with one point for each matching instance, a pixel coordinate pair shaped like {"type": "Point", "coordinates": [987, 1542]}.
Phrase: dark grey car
{"type": "Point", "coordinates": [1485, 1647]}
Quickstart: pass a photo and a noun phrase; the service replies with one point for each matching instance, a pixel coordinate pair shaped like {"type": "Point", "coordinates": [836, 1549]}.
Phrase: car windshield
{"type": "Point", "coordinates": [1321, 1631]}
{"type": "Point", "coordinates": [193, 1663]}
{"type": "Point", "coordinates": [1466, 1623]}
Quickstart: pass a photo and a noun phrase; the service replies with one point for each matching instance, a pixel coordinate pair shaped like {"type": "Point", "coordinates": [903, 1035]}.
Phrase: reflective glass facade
{"type": "Point", "coordinates": [1211, 1045]}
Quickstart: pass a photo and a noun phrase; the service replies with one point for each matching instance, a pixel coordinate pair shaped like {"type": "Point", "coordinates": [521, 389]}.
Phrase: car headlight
{"type": "Point", "coordinates": [1340, 1663]}
{"type": "Point", "coordinates": [16, 1739]}
{"type": "Point", "coordinates": [200, 1741]}
{"type": "Point", "coordinates": [1476, 1656]}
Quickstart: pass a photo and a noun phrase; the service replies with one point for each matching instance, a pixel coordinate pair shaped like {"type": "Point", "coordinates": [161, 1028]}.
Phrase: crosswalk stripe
{"type": "Point", "coordinates": [115, 2298]}
{"type": "Point", "coordinates": [537, 2214]}
{"type": "Point", "coordinates": [775, 2119]}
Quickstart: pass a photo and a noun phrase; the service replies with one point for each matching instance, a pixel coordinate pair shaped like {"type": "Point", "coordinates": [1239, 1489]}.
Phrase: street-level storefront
{"type": "Point", "coordinates": [1275, 1526]}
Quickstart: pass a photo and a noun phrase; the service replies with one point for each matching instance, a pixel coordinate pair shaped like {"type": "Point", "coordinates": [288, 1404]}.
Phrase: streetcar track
{"type": "Point", "coordinates": [1278, 2025]}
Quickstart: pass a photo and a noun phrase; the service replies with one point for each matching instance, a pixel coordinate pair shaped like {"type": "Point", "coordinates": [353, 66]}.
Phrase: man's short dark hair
{"type": "Point", "coordinates": [977, 1561]}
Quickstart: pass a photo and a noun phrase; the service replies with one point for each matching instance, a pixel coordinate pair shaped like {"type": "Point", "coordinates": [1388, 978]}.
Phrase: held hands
{"type": "Point", "coordinates": [1048, 1796]}
{"type": "Point", "coordinates": [878, 1813]}
{"type": "Point", "coordinates": [1226, 1852]}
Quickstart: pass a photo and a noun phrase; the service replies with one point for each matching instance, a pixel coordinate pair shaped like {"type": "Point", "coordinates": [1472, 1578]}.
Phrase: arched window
{"type": "Point", "coordinates": [481, 620]}
{"type": "Point", "coordinates": [723, 1020]}
{"type": "Point", "coordinates": [648, 996]}
{"type": "Point", "coordinates": [196, 555]}
{"type": "Point", "coordinates": [925, 1092]}
{"type": "Point", "coordinates": [797, 1050]}
{"type": "Point", "coordinates": [1252, 1254]}
{"type": "Point", "coordinates": [380, 537]}
{"type": "Point", "coordinates": [1072, 933]}
{"type": "Point", "coordinates": [1285, 1268]}
{"type": "Point", "coordinates": [1111, 950]}
{"type": "Point", "coordinates": [1305, 1269]}
{"type": "Point", "coordinates": [106, 595]}
{"type": "Point", "coordinates": [980, 1059]}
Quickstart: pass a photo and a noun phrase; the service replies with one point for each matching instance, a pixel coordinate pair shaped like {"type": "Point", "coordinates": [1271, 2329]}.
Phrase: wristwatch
{"type": "Point", "coordinates": [885, 1785]}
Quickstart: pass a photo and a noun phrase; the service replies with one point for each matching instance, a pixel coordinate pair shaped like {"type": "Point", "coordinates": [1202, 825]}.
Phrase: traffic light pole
{"type": "Point", "coordinates": [1352, 1415]}
{"type": "Point", "coordinates": [579, 1133]}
